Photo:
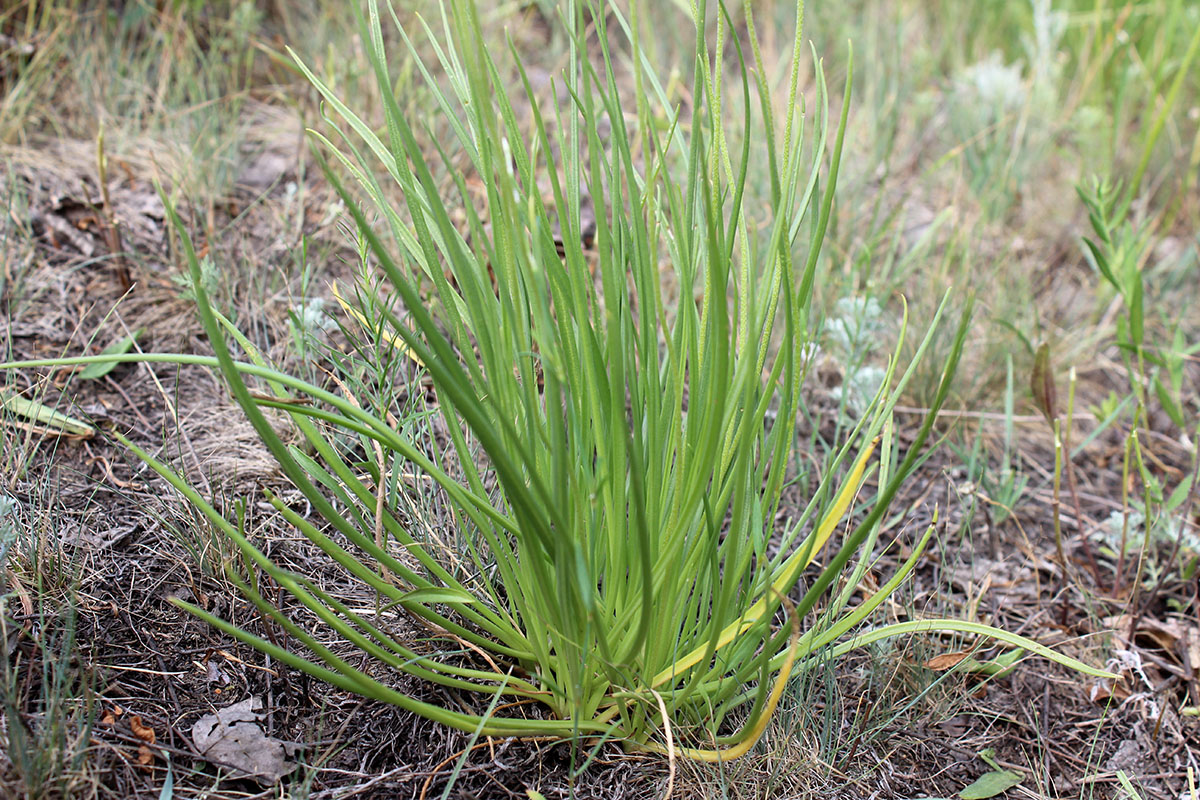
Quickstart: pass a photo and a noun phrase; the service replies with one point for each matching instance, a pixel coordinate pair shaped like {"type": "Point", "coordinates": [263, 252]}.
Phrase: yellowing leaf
{"type": "Point", "coordinates": [394, 341]}
{"type": "Point", "coordinates": [55, 422]}
{"type": "Point", "coordinates": [796, 562]}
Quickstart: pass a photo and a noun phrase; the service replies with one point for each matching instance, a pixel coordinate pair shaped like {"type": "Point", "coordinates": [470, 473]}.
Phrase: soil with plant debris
{"type": "Point", "coordinates": [106, 546]}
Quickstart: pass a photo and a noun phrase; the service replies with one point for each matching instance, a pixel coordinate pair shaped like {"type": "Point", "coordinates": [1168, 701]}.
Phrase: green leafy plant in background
{"type": "Point", "coordinates": [1119, 251]}
{"type": "Point", "coordinates": [615, 460]}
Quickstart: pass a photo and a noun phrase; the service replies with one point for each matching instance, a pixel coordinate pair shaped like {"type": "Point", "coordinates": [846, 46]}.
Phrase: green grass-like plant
{"type": "Point", "coordinates": [616, 460]}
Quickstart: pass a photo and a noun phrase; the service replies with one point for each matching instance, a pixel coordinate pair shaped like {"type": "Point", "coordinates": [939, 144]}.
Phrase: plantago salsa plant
{"type": "Point", "coordinates": [615, 463]}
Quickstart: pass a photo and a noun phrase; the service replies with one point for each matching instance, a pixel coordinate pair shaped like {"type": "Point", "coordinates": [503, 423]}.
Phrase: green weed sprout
{"type": "Point", "coordinates": [615, 463]}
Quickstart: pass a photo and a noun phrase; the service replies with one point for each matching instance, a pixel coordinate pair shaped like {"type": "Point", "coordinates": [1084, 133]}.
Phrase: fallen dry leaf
{"type": "Point", "coordinates": [232, 738]}
{"type": "Point", "coordinates": [145, 757]}
{"type": "Point", "coordinates": [945, 661]}
{"type": "Point", "coordinates": [1171, 635]}
{"type": "Point", "coordinates": [1104, 690]}
{"type": "Point", "coordinates": [140, 730]}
